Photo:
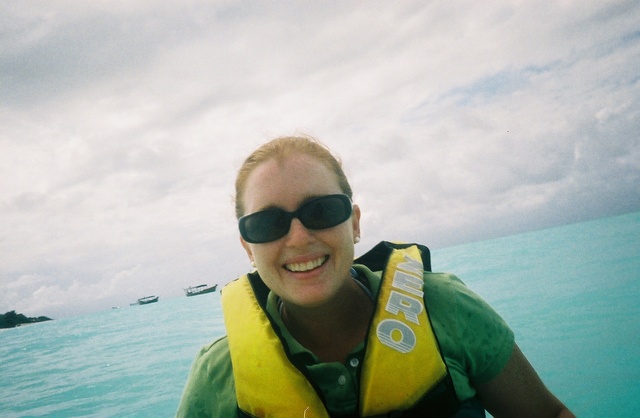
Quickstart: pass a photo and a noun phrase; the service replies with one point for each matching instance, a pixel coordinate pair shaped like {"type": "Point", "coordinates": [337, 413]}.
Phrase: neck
{"type": "Point", "coordinates": [332, 330]}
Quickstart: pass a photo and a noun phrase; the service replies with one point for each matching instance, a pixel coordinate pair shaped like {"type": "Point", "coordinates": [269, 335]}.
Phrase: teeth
{"type": "Point", "coordinates": [298, 267]}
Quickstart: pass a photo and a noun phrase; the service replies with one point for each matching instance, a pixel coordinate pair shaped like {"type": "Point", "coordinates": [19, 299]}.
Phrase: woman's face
{"type": "Point", "coordinates": [305, 267]}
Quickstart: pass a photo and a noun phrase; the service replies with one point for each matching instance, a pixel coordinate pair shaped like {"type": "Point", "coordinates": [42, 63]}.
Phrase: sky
{"type": "Point", "coordinates": [123, 124]}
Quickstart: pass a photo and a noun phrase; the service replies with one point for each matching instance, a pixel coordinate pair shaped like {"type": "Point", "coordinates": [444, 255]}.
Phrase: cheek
{"type": "Point", "coordinates": [264, 255]}
{"type": "Point", "coordinates": [344, 242]}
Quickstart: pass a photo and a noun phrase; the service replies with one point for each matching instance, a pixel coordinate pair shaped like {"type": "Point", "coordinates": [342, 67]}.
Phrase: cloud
{"type": "Point", "coordinates": [122, 125]}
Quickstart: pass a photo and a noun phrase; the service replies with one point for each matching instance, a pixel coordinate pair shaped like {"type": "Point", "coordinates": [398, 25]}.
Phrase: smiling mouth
{"type": "Point", "coordinates": [310, 265]}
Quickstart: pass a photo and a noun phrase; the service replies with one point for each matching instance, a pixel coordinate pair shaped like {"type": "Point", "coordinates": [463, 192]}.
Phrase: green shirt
{"type": "Point", "coordinates": [476, 344]}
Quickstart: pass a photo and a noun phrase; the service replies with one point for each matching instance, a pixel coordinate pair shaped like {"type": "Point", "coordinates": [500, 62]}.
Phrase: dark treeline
{"type": "Point", "coordinates": [11, 319]}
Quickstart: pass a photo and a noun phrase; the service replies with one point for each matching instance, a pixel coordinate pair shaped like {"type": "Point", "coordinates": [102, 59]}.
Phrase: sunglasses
{"type": "Point", "coordinates": [318, 213]}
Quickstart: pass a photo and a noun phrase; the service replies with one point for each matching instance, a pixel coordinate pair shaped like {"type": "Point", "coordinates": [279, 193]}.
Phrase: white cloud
{"type": "Point", "coordinates": [122, 125]}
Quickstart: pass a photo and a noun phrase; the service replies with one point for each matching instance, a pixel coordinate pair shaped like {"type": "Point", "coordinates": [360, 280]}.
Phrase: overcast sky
{"type": "Point", "coordinates": [123, 123]}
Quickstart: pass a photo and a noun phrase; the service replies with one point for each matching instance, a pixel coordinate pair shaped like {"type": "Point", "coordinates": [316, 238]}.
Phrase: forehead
{"type": "Point", "coordinates": [287, 182]}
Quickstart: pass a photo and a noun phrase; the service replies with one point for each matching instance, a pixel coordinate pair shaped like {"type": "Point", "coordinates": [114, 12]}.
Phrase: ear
{"type": "Point", "coordinates": [247, 248]}
{"type": "Point", "coordinates": [355, 220]}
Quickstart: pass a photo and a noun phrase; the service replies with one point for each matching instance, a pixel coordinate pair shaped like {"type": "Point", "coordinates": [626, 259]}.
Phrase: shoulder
{"type": "Point", "coordinates": [446, 294]}
{"type": "Point", "coordinates": [210, 388]}
{"type": "Point", "coordinates": [213, 356]}
{"type": "Point", "coordinates": [448, 291]}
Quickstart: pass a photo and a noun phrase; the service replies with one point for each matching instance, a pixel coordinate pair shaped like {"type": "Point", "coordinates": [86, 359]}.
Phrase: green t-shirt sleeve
{"type": "Point", "coordinates": [475, 340]}
{"type": "Point", "coordinates": [210, 389]}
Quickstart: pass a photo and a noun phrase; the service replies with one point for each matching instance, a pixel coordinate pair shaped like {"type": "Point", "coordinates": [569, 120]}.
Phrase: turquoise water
{"type": "Point", "coordinates": [570, 294]}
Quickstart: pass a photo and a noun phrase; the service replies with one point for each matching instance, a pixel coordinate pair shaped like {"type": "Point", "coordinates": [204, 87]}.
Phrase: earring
{"type": "Point", "coordinates": [253, 264]}
{"type": "Point", "coordinates": [356, 239]}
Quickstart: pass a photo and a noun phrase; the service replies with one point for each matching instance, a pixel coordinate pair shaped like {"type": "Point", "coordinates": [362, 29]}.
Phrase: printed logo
{"type": "Point", "coordinates": [405, 303]}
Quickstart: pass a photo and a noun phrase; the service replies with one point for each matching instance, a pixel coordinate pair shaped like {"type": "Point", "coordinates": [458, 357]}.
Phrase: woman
{"type": "Point", "coordinates": [311, 333]}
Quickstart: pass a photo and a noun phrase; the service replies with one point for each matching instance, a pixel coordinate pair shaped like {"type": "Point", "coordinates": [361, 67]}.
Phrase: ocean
{"type": "Point", "coordinates": [570, 294]}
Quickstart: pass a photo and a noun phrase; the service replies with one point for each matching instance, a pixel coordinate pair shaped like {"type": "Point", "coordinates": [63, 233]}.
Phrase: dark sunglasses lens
{"type": "Point", "coordinates": [272, 224]}
{"type": "Point", "coordinates": [325, 212]}
{"type": "Point", "coordinates": [265, 226]}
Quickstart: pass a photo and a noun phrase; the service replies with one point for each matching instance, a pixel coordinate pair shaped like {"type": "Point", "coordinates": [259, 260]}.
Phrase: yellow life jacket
{"type": "Point", "coordinates": [402, 370]}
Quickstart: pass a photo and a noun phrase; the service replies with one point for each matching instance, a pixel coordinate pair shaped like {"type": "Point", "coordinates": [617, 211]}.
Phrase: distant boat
{"type": "Point", "coordinates": [200, 289]}
{"type": "Point", "coordinates": [147, 299]}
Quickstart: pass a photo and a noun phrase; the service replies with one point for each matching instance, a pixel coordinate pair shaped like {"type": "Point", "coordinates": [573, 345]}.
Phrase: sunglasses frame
{"type": "Point", "coordinates": [345, 200]}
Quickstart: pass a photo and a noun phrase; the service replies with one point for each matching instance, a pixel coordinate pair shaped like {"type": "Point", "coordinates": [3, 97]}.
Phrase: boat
{"type": "Point", "coordinates": [147, 299]}
{"type": "Point", "coordinates": [201, 289]}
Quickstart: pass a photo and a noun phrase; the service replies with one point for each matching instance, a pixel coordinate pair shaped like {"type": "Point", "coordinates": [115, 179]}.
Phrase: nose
{"type": "Point", "coordinates": [298, 234]}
